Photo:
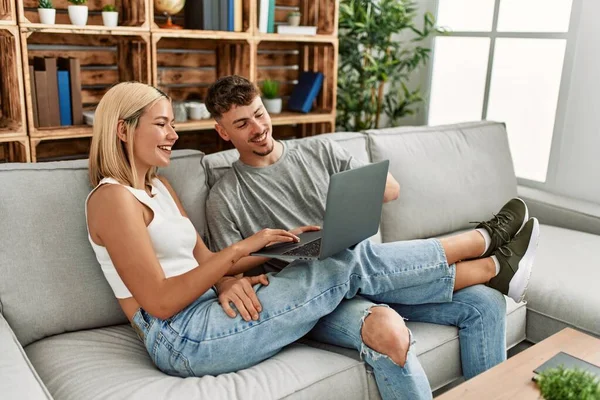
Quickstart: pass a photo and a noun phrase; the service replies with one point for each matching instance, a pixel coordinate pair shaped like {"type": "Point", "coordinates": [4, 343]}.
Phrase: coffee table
{"type": "Point", "coordinates": [512, 378]}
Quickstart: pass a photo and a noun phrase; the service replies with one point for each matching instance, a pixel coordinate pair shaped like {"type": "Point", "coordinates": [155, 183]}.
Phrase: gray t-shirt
{"type": "Point", "coordinates": [287, 194]}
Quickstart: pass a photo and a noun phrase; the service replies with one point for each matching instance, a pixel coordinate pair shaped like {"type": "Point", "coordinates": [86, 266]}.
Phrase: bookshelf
{"type": "Point", "coordinates": [182, 62]}
{"type": "Point", "coordinates": [13, 128]}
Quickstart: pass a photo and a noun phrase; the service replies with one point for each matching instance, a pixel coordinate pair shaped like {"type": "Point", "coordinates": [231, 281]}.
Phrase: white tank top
{"type": "Point", "coordinates": [173, 236]}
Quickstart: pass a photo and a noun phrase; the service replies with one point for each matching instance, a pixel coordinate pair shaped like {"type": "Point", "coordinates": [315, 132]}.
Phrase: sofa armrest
{"type": "Point", "coordinates": [18, 379]}
{"type": "Point", "coordinates": [561, 211]}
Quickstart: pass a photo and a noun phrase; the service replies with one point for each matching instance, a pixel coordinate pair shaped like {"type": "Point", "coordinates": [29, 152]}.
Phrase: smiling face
{"type": "Point", "coordinates": [154, 137]}
{"type": "Point", "coordinates": [249, 129]}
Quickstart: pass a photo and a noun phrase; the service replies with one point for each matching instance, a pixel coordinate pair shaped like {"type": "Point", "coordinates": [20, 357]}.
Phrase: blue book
{"type": "Point", "coordinates": [230, 13]}
{"type": "Point", "coordinates": [305, 91]}
{"type": "Point", "coordinates": [64, 98]}
{"type": "Point", "coordinates": [271, 18]}
{"type": "Point", "coordinates": [207, 15]}
{"type": "Point", "coordinates": [223, 14]}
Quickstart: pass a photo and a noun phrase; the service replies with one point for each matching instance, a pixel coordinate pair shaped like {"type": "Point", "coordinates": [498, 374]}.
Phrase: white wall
{"type": "Point", "coordinates": [419, 78]}
{"type": "Point", "coordinates": [576, 155]}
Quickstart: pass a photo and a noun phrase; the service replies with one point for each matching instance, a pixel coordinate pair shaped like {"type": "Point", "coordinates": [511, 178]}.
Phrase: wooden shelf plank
{"type": "Point", "coordinates": [285, 118]}
{"type": "Point", "coordinates": [85, 30]}
{"type": "Point", "coordinates": [277, 37]}
{"type": "Point", "coordinates": [61, 132]}
{"type": "Point", "coordinates": [200, 34]}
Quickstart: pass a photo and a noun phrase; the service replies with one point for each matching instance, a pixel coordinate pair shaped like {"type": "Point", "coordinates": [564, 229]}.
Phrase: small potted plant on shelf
{"type": "Point", "coordinates": [270, 96]}
{"type": "Point", "coordinates": [110, 15]}
{"type": "Point", "coordinates": [78, 12]}
{"type": "Point", "coordinates": [293, 18]}
{"type": "Point", "coordinates": [46, 12]}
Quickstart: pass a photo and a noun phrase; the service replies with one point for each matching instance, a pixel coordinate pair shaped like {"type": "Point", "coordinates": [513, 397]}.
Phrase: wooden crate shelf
{"type": "Point", "coordinates": [12, 102]}
{"type": "Point", "coordinates": [284, 61]}
{"type": "Point", "coordinates": [60, 148]}
{"type": "Point", "coordinates": [320, 13]}
{"type": "Point", "coordinates": [158, 19]}
{"type": "Point", "coordinates": [132, 13]}
{"type": "Point", "coordinates": [105, 59]}
{"type": "Point", "coordinates": [14, 149]}
{"type": "Point", "coordinates": [184, 67]}
{"type": "Point", "coordinates": [183, 63]}
{"type": "Point", "coordinates": [8, 13]}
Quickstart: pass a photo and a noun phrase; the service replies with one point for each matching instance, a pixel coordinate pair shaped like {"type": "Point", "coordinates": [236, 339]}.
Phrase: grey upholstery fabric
{"type": "Point", "coordinates": [449, 176]}
{"type": "Point", "coordinates": [438, 347]}
{"type": "Point", "coordinates": [18, 379]}
{"type": "Point", "coordinates": [51, 282]}
{"type": "Point", "coordinates": [111, 363]}
{"type": "Point", "coordinates": [561, 211]}
{"type": "Point", "coordinates": [563, 290]}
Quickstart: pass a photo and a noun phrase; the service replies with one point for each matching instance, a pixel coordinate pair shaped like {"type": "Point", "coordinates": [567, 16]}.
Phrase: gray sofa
{"type": "Point", "coordinates": [63, 336]}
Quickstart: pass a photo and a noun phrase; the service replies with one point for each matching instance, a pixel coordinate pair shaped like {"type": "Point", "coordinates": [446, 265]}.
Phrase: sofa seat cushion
{"type": "Point", "coordinates": [111, 363]}
{"type": "Point", "coordinates": [563, 290]}
{"type": "Point", "coordinates": [438, 347]}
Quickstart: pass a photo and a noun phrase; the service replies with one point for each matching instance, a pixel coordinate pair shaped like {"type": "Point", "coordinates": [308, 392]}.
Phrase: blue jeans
{"type": "Point", "coordinates": [479, 312]}
{"type": "Point", "coordinates": [203, 340]}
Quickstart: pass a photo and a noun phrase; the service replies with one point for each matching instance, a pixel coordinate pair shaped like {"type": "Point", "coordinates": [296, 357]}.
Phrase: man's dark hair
{"type": "Point", "coordinates": [227, 92]}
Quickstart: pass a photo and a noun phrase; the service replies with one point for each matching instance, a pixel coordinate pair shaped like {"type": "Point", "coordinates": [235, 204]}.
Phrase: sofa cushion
{"type": "Point", "coordinates": [111, 363]}
{"type": "Point", "coordinates": [18, 378]}
{"type": "Point", "coordinates": [563, 289]}
{"type": "Point", "coordinates": [438, 347]}
{"type": "Point", "coordinates": [217, 164]}
{"type": "Point", "coordinates": [449, 176]}
{"type": "Point", "coordinates": [51, 282]}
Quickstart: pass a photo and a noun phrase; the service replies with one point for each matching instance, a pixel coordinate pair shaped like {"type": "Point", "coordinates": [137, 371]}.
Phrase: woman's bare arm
{"type": "Point", "coordinates": [117, 220]}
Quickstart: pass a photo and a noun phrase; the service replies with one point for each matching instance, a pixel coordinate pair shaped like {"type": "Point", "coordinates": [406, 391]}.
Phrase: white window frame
{"type": "Point", "coordinates": [559, 121]}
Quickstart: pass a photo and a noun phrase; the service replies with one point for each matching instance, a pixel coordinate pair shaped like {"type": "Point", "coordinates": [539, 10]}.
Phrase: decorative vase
{"type": "Point", "coordinates": [273, 106]}
{"type": "Point", "coordinates": [294, 20]}
{"type": "Point", "coordinates": [47, 15]}
{"type": "Point", "coordinates": [110, 18]}
{"type": "Point", "coordinates": [78, 15]}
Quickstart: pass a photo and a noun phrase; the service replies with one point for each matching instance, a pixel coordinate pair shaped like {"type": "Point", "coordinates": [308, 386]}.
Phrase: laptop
{"type": "Point", "coordinates": [352, 214]}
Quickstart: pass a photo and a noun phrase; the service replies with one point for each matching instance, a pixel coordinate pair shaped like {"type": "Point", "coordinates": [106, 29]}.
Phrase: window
{"type": "Point", "coordinates": [502, 61]}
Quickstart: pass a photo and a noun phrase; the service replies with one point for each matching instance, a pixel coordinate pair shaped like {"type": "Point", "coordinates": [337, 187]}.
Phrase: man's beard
{"type": "Point", "coordinates": [267, 151]}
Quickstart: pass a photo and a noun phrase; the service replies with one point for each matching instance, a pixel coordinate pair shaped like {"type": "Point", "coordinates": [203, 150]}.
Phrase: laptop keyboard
{"type": "Point", "coordinates": [311, 249]}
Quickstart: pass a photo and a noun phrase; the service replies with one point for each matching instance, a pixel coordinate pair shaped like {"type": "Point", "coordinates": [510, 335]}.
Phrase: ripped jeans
{"type": "Point", "coordinates": [478, 311]}
{"type": "Point", "coordinates": [202, 340]}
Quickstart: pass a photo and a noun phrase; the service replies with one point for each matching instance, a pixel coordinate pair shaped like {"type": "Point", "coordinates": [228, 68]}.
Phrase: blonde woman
{"type": "Point", "coordinates": [162, 273]}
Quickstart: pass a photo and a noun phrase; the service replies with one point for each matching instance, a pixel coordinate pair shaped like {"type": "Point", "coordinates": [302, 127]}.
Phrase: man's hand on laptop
{"type": "Point", "coordinates": [302, 229]}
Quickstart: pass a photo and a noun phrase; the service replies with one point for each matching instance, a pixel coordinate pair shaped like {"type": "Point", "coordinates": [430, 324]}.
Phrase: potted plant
{"type": "Point", "coordinates": [46, 12]}
{"type": "Point", "coordinates": [78, 12]}
{"type": "Point", "coordinates": [380, 46]}
{"type": "Point", "coordinates": [270, 96]}
{"type": "Point", "coordinates": [566, 383]}
{"type": "Point", "coordinates": [293, 18]}
{"type": "Point", "coordinates": [110, 15]}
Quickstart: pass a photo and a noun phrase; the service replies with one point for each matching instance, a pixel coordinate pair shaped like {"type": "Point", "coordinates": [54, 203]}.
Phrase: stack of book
{"type": "Point", "coordinates": [214, 15]}
{"type": "Point", "coordinates": [56, 91]}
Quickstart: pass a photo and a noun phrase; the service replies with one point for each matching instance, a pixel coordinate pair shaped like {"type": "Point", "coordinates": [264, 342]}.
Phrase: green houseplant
{"type": "Point", "coordinates": [372, 55]}
{"type": "Point", "coordinates": [110, 16]}
{"type": "Point", "coordinates": [562, 383]}
{"type": "Point", "coordinates": [293, 18]}
{"type": "Point", "coordinates": [78, 12]}
{"type": "Point", "coordinates": [270, 96]}
{"type": "Point", "coordinates": [46, 12]}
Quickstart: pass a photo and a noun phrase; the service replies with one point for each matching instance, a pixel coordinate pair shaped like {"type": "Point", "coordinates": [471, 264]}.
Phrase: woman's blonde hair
{"type": "Point", "coordinates": [109, 157]}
